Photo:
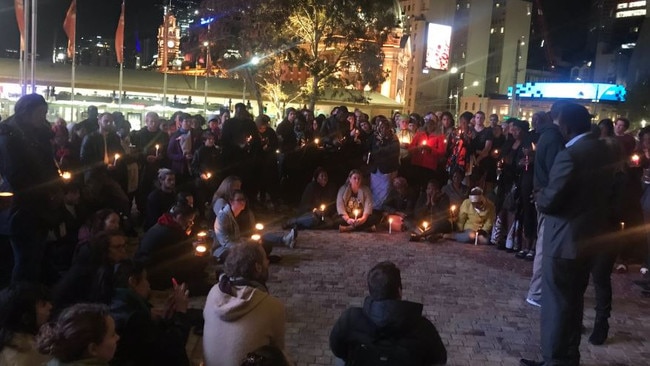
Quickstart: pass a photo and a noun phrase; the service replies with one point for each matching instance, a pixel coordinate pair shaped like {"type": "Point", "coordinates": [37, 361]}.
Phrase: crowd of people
{"type": "Point", "coordinates": [188, 188]}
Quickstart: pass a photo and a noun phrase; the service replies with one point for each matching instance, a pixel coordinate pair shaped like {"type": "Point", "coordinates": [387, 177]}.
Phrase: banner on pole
{"type": "Point", "coordinates": [119, 38]}
{"type": "Point", "coordinates": [20, 19]}
{"type": "Point", "coordinates": [70, 27]}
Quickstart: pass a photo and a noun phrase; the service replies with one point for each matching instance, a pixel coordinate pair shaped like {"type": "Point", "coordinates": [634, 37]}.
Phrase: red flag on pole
{"type": "Point", "coordinates": [70, 27]}
{"type": "Point", "coordinates": [119, 38]}
{"type": "Point", "coordinates": [20, 19]}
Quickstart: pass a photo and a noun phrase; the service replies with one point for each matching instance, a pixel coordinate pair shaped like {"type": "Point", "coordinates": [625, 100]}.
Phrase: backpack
{"type": "Point", "coordinates": [383, 350]}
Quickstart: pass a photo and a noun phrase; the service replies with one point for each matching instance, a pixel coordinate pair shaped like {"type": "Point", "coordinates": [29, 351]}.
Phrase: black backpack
{"type": "Point", "coordinates": [382, 350]}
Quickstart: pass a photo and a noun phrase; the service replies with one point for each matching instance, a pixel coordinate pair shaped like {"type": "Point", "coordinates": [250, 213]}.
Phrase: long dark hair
{"type": "Point", "coordinates": [18, 310]}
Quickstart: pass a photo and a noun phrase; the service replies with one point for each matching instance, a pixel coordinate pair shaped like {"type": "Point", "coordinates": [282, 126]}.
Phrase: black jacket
{"type": "Point", "coordinates": [144, 341]}
{"type": "Point", "coordinates": [401, 319]}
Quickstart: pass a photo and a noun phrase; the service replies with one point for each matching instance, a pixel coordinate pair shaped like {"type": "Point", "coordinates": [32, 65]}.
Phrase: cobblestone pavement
{"type": "Point", "coordinates": [475, 295]}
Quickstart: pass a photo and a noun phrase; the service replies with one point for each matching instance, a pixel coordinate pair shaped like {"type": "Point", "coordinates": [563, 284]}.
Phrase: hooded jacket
{"type": "Point", "coordinates": [236, 325]}
{"type": "Point", "coordinates": [401, 320]}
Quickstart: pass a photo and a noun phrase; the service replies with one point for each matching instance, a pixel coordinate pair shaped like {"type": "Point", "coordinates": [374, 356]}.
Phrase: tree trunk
{"type": "Point", "coordinates": [313, 97]}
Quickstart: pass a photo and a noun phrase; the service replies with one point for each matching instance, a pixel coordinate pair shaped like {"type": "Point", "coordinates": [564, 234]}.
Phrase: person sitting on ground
{"type": "Point", "coordinates": [24, 308]}
{"type": "Point", "coordinates": [354, 205]}
{"type": "Point", "coordinates": [475, 219]}
{"type": "Point", "coordinates": [221, 197]}
{"type": "Point", "coordinates": [91, 277]}
{"type": "Point", "coordinates": [148, 337]}
{"type": "Point", "coordinates": [161, 199]}
{"type": "Point", "coordinates": [455, 189]}
{"type": "Point", "coordinates": [83, 335]}
{"type": "Point", "coordinates": [228, 234]}
{"type": "Point", "coordinates": [240, 314]}
{"type": "Point", "coordinates": [400, 203]}
{"type": "Point", "coordinates": [167, 251]}
{"type": "Point", "coordinates": [317, 203]}
{"type": "Point", "coordinates": [386, 319]}
{"type": "Point", "coordinates": [103, 220]}
{"type": "Point", "coordinates": [434, 209]}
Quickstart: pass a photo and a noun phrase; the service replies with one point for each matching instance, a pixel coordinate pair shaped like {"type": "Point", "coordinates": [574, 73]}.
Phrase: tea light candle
{"type": "Point", "coordinates": [66, 175]}
{"type": "Point", "coordinates": [259, 227]}
{"type": "Point", "coordinates": [256, 237]}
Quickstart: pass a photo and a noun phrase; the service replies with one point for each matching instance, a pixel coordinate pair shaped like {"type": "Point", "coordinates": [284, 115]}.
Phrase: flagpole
{"type": "Point", "coordinates": [34, 18]}
{"type": "Point", "coordinates": [23, 81]}
{"type": "Point", "coordinates": [74, 66]}
{"type": "Point", "coordinates": [121, 77]}
{"type": "Point", "coordinates": [164, 61]}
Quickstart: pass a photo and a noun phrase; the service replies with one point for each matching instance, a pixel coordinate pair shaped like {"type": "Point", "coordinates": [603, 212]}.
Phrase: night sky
{"type": "Point", "coordinates": [566, 21]}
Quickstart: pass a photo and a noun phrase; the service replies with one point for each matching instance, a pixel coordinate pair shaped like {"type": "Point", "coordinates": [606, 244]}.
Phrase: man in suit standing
{"type": "Point", "coordinates": [579, 194]}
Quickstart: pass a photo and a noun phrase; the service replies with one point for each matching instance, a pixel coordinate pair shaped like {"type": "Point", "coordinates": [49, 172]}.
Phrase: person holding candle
{"type": "Point", "coordinates": [180, 149]}
{"type": "Point", "coordinates": [99, 148]}
{"type": "Point", "coordinates": [458, 144]}
{"type": "Point", "coordinates": [433, 206]}
{"type": "Point", "coordinates": [167, 251]}
{"type": "Point", "coordinates": [161, 199]}
{"type": "Point", "coordinates": [475, 219]}
{"type": "Point", "coordinates": [151, 144]}
{"type": "Point", "coordinates": [206, 170]}
{"type": "Point", "coordinates": [400, 204]}
{"type": "Point", "coordinates": [228, 234]}
{"type": "Point", "coordinates": [267, 164]}
{"type": "Point", "coordinates": [317, 203]}
{"type": "Point", "coordinates": [427, 148]}
{"type": "Point", "coordinates": [354, 205]}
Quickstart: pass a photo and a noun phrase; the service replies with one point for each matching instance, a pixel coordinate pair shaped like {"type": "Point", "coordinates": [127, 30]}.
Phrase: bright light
{"type": "Point", "coordinates": [170, 43]}
{"type": "Point", "coordinates": [475, 83]}
{"type": "Point", "coordinates": [643, 123]}
{"type": "Point", "coordinates": [206, 43]}
{"type": "Point", "coordinates": [453, 70]}
{"type": "Point", "coordinates": [259, 227]}
{"type": "Point", "coordinates": [255, 60]}
{"type": "Point", "coordinates": [60, 56]}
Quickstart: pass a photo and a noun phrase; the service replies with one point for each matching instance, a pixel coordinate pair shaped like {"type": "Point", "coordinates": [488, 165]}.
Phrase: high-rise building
{"type": "Point", "coordinates": [487, 51]}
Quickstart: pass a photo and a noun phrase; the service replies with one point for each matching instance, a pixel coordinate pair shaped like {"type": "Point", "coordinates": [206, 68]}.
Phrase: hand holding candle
{"type": "Point", "coordinates": [356, 215]}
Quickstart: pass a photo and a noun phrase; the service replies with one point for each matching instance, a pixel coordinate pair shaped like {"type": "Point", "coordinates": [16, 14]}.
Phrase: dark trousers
{"type": "Point", "coordinates": [601, 272]}
{"type": "Point", "coordinates": [563, 286]}
{"type": "Point", "coordinates": [28, 238]}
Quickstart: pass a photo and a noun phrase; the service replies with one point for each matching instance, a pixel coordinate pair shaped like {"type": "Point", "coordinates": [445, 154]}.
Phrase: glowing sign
{"type": "Point", "coordinates": [631, 13]}
{"type": "Point", "coordinates": [589, 91]}
{"type": "Point", "coordinates": [205, 21]}
{"type": "Point", "coordinates": [438, 39]}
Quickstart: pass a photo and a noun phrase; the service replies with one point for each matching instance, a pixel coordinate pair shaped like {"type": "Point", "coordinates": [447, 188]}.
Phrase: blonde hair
{"type": "Point", "coordinates": [225, 188]}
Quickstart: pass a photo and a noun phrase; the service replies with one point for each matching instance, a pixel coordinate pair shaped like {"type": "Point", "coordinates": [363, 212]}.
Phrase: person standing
{"type": "Point", "coordinates": [550, 143]}
{"type": "Point", "coordinates": [581, 188]}
{"type": "Point", "coordinates": [28, 169]}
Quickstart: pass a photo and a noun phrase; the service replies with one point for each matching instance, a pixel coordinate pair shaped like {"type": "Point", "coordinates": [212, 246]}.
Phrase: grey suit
{"type": "Point", "coordinates": [577, 203]}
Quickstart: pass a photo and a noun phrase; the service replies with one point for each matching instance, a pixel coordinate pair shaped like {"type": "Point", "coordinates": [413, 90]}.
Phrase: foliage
{"type": "Point", "coordinates": [638, 100]}
{"type": "Point", "coordinates": [338, 42]}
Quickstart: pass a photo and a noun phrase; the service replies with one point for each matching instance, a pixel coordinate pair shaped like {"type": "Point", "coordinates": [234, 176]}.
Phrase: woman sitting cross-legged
{"type": "Point", "coordinates": [354, 205]}
{"type": "Point", "coordinates": [317, 203]}
{"type": "Point", "coordinates": [475, 219]}
{"type": "Point", "coordinates": [227, 232]}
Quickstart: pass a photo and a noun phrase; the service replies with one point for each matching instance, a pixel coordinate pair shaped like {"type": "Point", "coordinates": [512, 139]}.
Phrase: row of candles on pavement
{"type": "Point", "coordinates": [201, 243]}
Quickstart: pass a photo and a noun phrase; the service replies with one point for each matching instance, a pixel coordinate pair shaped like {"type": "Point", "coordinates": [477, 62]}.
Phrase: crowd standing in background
{"type": "Point", "coordinates": [192, 185]}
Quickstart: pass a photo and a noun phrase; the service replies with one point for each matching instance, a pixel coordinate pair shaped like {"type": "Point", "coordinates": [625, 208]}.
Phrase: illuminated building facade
{"type": "Point", "coordinates": [169, 40]}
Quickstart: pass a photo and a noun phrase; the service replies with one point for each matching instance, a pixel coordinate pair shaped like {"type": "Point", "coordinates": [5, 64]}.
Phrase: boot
{"type": "Point", "coordinates": [599, 335]}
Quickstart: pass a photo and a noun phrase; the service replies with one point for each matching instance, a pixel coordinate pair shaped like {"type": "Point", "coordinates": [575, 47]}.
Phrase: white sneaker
{"type": "Point", "coordinates": [290, 239]}
{"type": "Point", "coordinates": [533, 302]}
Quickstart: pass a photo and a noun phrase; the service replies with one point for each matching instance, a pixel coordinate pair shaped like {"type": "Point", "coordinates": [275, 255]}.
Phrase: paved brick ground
{"type": "Point", "coordinates": [474, 296]}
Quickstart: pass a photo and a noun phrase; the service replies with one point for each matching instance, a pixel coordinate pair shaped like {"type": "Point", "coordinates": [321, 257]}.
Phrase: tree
{"type": "Point", "coordinates": [339, 41]}
{"type": "Point", "coordinates": [638, 100]}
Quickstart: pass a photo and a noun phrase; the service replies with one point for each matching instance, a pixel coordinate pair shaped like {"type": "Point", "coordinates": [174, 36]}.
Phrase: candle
{"type": "Point", "coordinates": [66, 175]}
{"type": "Point", "coordinates": [200, 250]}
{"type": "Point", "coordinates": [322, 212]}
{"type": "Point", "coordinates": [117, 156]}
{"type": "Point", "coordinates": [6, 194]}
{"type": "Point", "coordinates": [635, 160]}
{"type": "Point", "coordinates": [259, 227]}
{"type": "Point", "coordinates": [425, 225]}
{"type": "Point", "coordinates": [317, 141]}
{"type": "Point", "coordinates": [201, 235]}
{"type": "Point", "coordinates": [452, 209]}
{"type": "Point", "coordinates": [256, 237]}
{"type": "Point", "coordinates": [622, 226]}
{"type": "Point", "coordinates": [208, 175]}
{"type": "Point", "coordinates": [277, 151]}
{"type": "Point", "coordinates": [157, 148]}
{"type": "Point", "coordinates": [356, 214]}
{"type": "Point", "coordinates": [424, 143]}
{"type": "Point", "coordinates": [532, 144]}
{"type": "Point", "coordinates": [496, 152]}
{"type": "Point", "coordinates": [476, 238]}
{"type": "Point", "coordinates": [390, 225]}
{"type": "Point", "coordinates": [368, 158]}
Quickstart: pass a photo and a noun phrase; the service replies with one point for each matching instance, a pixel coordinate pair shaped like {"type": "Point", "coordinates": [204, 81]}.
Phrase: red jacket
{"type": "Point", "coordinates": [431, 154]}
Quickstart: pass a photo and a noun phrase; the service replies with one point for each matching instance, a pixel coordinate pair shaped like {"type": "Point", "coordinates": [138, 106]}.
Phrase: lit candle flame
{"type": "Point", "coordinates": [635, 158]}
{"type": "Point", "coordinates": [201, 248]}
{"type": "Point", "coordinates": [322, 207]}
{"type": "Point", "coordinates": [259, 227]}
{"type": "Point", "coordinates": [424, 142]}
{"type": "Point", "coordinates": [256, 237]}
{"type": "Point", "coordinates": [453, 208]}
{"type": "Point", "coordinates": [66, 175]}
{"type": "Point", "coordinates": [425, 225]}
{"type": "Point", "coordinates": [202, 234]}
{"type": "Point", "coordinates": [6, 194]}
{"type": "Point", "coordinates": [356, 213]}
{"type": "Point", "coordinates": [317, 141]}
